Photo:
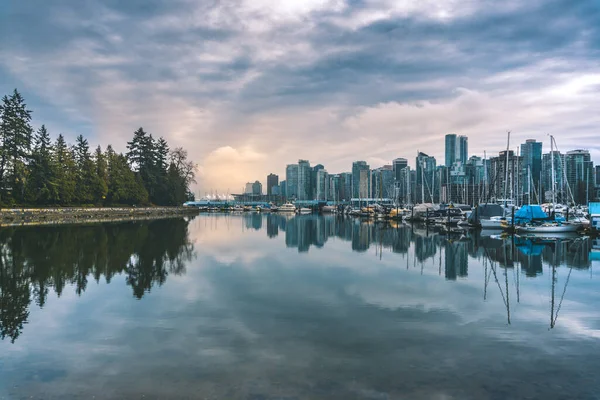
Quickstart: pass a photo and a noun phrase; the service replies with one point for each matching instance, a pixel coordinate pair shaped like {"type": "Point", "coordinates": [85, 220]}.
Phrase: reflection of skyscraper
{"type": "Point", "coordinates": [456, 260]}
{"type": "Point", "coordinates": [272, 225]}
{"type": "Point", "coordinates": [361, 237]}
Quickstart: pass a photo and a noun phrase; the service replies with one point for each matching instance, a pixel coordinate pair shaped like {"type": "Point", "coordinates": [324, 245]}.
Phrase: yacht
{"type": "Point", "coordinates": [494, 223]}
{"type": "Point", "coordinates": [287, 207]}
{"type": "Point", "coordinates": [305, 210]}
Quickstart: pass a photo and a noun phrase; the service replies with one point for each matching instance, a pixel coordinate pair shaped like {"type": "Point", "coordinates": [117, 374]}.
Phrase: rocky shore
{"type": "Point", "coordinates": [70, 215]}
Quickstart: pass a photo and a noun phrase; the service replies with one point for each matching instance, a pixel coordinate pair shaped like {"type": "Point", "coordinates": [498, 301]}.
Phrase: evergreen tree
{"type": "Point", "coordinates": [101, 174]}
{"type": "Point", "coordinates": [66, 171]}
{"type": "Point", "coordinates": [15, 146]}
{"type": "Point", "coordinates": [41, 185]}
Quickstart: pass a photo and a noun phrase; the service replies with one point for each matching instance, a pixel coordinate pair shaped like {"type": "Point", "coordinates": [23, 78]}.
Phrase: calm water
{"type": "Point", "coordinates": [272, 307]}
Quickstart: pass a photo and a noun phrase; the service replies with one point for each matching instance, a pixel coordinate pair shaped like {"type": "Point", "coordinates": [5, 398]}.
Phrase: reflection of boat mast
{"type": "Point", "coordinates": [553, 315]}
{"type": "Point", "coordinates": [504, 298]}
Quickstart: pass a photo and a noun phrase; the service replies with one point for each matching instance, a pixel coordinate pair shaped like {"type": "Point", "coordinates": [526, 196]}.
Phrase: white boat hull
{"type": "Point", "coordinates": [491, 224]}
{"type": "Point", "coordinates": [563, 228]}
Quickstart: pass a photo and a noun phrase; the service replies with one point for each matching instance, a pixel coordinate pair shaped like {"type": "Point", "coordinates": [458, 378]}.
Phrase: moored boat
{"type": "Point", "coordinates": [287, 207]}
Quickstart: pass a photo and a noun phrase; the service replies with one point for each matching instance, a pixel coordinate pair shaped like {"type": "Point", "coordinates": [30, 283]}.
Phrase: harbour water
{"type": "Point", "coordinates": [265, 307]}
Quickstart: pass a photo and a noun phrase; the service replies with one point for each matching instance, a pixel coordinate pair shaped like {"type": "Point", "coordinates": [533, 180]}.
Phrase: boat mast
{"type": "Point", "coordinates": [552, 162]}
{"type": "Point", "coordinates": [528, 184]}
{"type": "Point", "coordinates": [506, 171]}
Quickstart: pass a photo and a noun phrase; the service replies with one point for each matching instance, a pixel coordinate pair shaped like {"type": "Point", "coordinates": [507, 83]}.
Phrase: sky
{"type": "Point", "coordinates": [248, 86]}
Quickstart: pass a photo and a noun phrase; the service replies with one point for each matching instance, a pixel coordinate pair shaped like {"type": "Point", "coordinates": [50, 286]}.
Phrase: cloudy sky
{"type": "Point", "coordinates": [248, 86]}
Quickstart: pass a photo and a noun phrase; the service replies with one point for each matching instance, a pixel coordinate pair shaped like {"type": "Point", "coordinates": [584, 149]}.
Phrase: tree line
{"type": "Point", "coordinates": [34, 170]}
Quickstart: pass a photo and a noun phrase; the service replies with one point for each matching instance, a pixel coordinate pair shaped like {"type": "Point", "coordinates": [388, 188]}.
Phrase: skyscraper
{"type": "Point", "coordinates": [560, 185]}
{"type": "Point", "coordinates": [361, 180]}
{"type": "Point", "coordinates": [257, 188]}
{"type": "Point", "coordinates": [248, 189]}
{"type": "Point", "coordinates": [304, 180]}
{"type": "Point", "coordinates": [457, 149]}
{"type": "Point", "coordinates": [531, 151]}
{"type": "Point", "coordinates": [426, 166]}
{"type": "Point", "coordinates": [345, 186]}
{"type": "Point", "coordinates": [580, 175]}
{"type": "Point", "coordinates": [450, 149]}
{"type": "Point", "coordinates": [291, 179]}
{"type": "Point", "coordinates": [272, 180]}
{"type": "Point", "coordinates": [382, 182]}
{"type": "Point", "coordinates": [399, 164]}
{"type": "Point", "coordinates": [462, 148]}
{"type": "Point", "coordinates": [322, 184]}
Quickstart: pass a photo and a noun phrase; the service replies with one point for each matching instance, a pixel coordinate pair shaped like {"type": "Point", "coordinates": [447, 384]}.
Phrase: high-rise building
{"type": "Point", "coordinates": [335, 188]}
{"type": "Point", "coordinates": [399, 164]}
{"type": "Point", "coordinates": [304, 180]}
{"type": "Point", "coordinates": [345, 186]}
{"type": "Point", "coordinates": [382, 182]}
{"type": "Point", "coordinates": [531, 151]}
{"type": "Point", "coordinates": [580, 175]}
{"type": "Point", "coordinates": [560, 184]}
{"type": "Point", "coordinates": [257, 188]}
{"type": "Point", "coordinates": [426, 166]}
{"type": "Point", "coordinates": [462, 147]}
{"type": "Point", "coordinates": [272, 180]}
{"type": "Point", "coordinates": [457, 149]}
{"type": "Point", "coordinates": [498, 175]}
{"type": "Point", "coordinates": [322, 184]}
{"type": "Point", "coordinates": [313, 180]}
{"type": "Point", "coordinates": [283, 188]}
{"type": "Point", "coordinates": [248, 189]}
{"type": "Point", "coordinates": [291, 179]}
{"type": "Point", "coordinates": [450, 149]}
{"type": "Point", "coordinates": [597, 175]}
{"type": "Point", "coordinates": [361, 180]}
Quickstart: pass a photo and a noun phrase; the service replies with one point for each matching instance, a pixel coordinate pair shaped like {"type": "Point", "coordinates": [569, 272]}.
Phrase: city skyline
{"type": "Point", "coordinates": [516, 148]}
{"type": "Point", "coordinates": [248, 86]}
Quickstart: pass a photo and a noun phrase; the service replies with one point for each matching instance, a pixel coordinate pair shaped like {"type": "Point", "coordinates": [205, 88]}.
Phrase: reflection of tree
{"type": "Point", "coordinates": [33, 260]}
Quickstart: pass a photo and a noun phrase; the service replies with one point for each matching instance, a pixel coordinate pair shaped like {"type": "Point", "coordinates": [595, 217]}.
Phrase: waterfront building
{"type": "Point", "coordinates": [498, 176]}
{"type": "Point", "coordinates": [248, 188]}
{"type": "Point", "coordinates": [560, 184]}
{"type": "Point", "coordinates": [291, 179]}
{"type": "Point", "coordinates": [456, 149]}
{"type": "Point", "coordinates": [257, 188]}
{"type": "Point", "coordinates": [272, 180]}
{"type": "Point", "coordinates": [345, 186]}
{"type": "Point", "coordinates": [531, 151]}
{"type": "Point", "coordinates": [283, 189]}
{"type": "Point", "coordinates": [304, 180]}
{"type": "Point", "coordinates": [382, 182]}
{"type": "Point", "coordinates": [425, 178]}
{"type": "Point", "coordinates": [580, 175]}
{"type": "Point", "coordinates": [361, 180]}
{"type": "Point", "coordinates": [322, 184]}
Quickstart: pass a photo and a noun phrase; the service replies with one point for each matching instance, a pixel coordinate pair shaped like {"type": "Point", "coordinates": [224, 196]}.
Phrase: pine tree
{"type": "Point", "coordinates": [41, 185]}
{"type": "Point", "coordinates": [15, 138]}
{"type": "Point", "coordinates": [66, 171]}
{"type": "Point", "coordinates": [101, 174]}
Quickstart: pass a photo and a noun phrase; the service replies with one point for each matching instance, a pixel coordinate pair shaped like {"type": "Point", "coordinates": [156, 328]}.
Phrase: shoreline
{"type": "Point", "coordinates": [77, 215]}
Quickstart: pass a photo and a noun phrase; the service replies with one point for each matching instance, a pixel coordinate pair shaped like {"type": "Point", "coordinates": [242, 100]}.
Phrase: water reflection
{"type": "Point", "coordinates": [35, 260]}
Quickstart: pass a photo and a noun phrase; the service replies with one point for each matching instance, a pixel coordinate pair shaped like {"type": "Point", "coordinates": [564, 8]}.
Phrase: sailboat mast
{"type": "Point", "coordinates": [506, 169]}
{"type": "Point", "coordinates": [553, 176]}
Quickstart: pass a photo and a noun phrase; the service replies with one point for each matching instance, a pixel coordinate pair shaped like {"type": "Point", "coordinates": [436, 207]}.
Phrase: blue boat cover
{"type": "Point", "coordinates": [594, 208]}
{"type": "Point", "coordinates": [529, 212]}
